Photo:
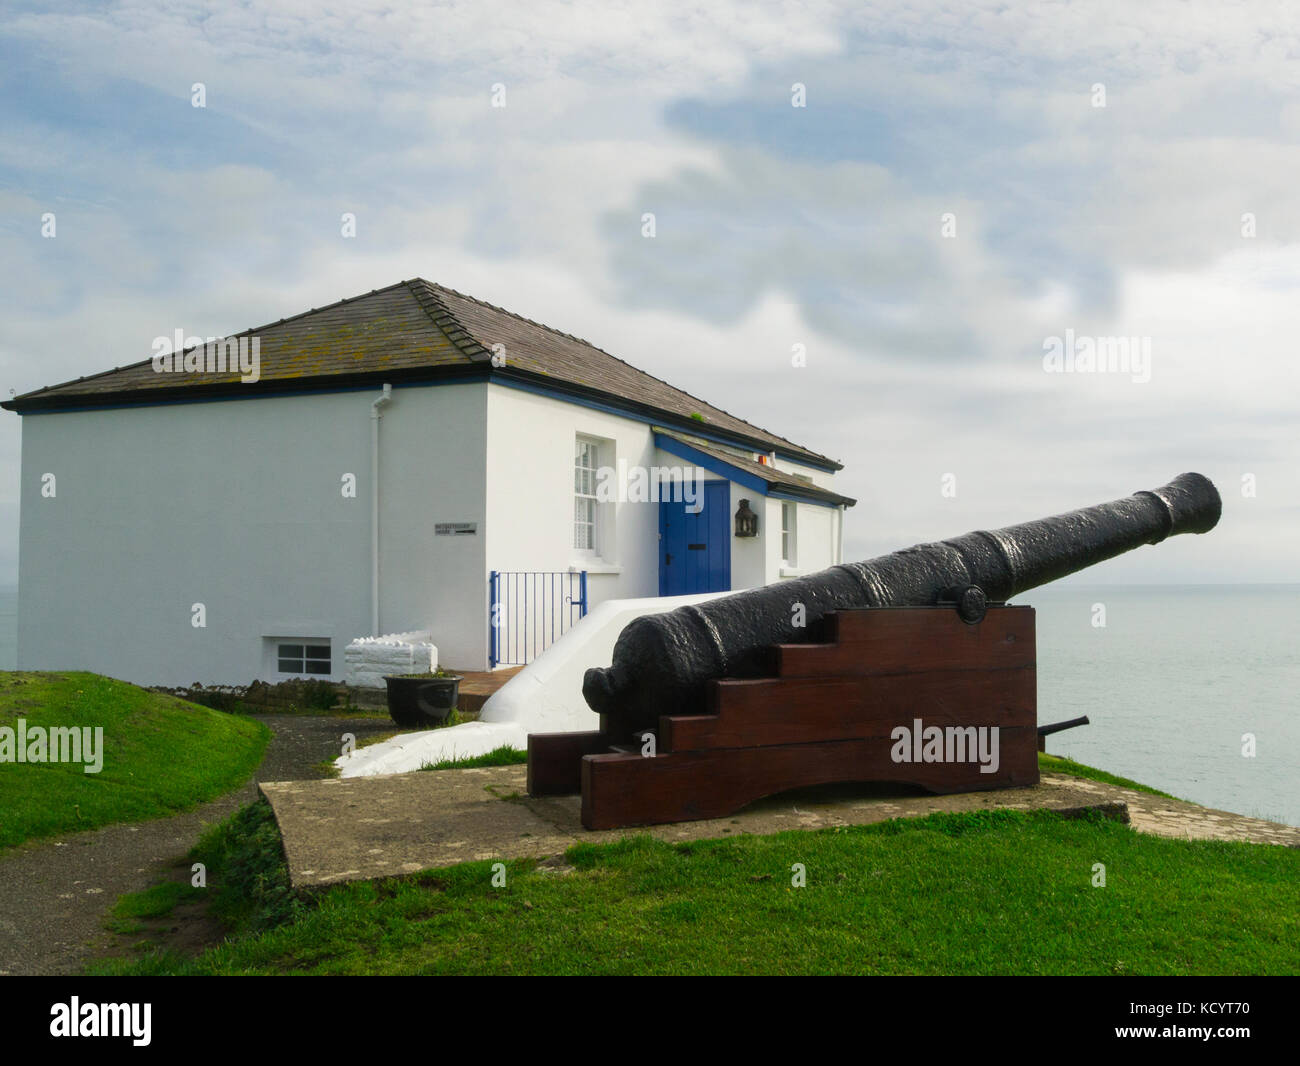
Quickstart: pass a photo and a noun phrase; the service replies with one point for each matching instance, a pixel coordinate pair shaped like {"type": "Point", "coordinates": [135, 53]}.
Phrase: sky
{"type": "Point", "coordinates": [929, 197]}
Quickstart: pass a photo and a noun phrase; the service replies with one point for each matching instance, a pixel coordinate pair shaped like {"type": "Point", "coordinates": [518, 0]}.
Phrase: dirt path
{"type": "Point", "coordinates": [54, 893]}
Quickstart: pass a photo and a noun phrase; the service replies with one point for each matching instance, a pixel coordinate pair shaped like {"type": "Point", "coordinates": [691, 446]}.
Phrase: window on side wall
{"type": "Point", "coordinates": [586, 508]}
{"type": "Point", "coordinates": [789, 514]}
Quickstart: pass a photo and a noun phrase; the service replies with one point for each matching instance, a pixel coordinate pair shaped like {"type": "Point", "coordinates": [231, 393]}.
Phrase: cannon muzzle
{"type": "Point", "coordinates": [662, 663]}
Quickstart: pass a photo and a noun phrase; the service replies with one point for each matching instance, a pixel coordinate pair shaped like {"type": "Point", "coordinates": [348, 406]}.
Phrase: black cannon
{"type": "Point", "coordinates": [662, 663]}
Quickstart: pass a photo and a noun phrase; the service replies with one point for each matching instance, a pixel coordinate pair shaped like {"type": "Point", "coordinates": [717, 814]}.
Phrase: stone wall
{"type": "Point", "coordinates": [294, 695]}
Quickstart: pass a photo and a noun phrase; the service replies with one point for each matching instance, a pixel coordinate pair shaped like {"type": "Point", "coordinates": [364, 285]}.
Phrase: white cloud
{"type": "Point", "coordinates": [924, 354]}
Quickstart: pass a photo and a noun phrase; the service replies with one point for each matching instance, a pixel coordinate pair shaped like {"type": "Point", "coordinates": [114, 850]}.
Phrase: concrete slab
{"type": "Point", "coordinates": [368, 827]}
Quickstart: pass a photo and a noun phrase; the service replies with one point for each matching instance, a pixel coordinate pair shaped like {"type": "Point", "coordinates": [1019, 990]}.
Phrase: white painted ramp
{"type": "Point", "coordinates": [544, 697]}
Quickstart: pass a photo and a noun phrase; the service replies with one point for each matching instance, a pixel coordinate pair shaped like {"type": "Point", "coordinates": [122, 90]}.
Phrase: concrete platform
{"type": "Point", "coordinates": [369, 827]}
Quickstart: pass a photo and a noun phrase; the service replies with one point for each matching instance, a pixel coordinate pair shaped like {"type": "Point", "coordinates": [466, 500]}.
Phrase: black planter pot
{"type": "Point", "coordinates": [421, 701]}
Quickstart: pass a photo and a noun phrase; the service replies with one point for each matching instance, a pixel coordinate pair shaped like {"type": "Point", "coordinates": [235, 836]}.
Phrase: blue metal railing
{"type": "Point", "coordinates": [529, 610]}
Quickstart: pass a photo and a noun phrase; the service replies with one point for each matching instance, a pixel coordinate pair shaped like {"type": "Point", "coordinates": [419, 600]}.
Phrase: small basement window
{"type": "Point", "coordinates": [304, 658]}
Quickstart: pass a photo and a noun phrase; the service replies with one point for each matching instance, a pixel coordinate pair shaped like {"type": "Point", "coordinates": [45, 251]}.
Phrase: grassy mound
{"type": "Point", "coordinates": [160, 754]}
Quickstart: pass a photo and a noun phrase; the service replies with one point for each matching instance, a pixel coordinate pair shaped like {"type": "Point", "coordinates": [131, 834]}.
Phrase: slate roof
{"type": "Point", "coordinates": [416, 331]}
{"type": "Point", "coordinates": [777, 479]}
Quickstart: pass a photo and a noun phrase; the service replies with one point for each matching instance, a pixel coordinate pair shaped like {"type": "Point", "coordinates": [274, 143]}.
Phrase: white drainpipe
{"type": "Point", "coordinates": [375, 409]}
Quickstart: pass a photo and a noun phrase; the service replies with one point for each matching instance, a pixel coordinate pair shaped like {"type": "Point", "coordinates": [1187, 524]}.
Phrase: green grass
{"type": "Point", "coordinates": [160, 754]}
{"type": "Point", "coordinates": [502, 756]}
{"type": "Point", "coordinates": [248, 889]}
{"type": "Point", "coordinates": [156, 901]}
{"type": "Point", "coordinates": [248, 877]}
{"type": "Point", "coordinates": [987, 892]}
{"type": "Point", "coordinates": [1059, 765]}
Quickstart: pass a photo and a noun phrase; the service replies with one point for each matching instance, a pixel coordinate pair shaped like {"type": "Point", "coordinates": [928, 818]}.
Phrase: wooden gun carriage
{"type": "Point", "coordinates": [903, 672]}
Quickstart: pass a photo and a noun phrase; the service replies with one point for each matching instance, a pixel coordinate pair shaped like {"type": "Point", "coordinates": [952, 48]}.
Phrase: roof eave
{"type": "Point", "coordinates": [50, 399]}
{"type": "Point", "coordinates": [659, 415]}
{"type": "Point", "coordinates": [226, 390]}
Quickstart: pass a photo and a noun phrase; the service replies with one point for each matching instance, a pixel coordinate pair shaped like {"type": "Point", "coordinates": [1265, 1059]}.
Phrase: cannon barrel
{"type": "Point", "coordinates": [1059, 727]}
{"type": "Point", "coordinates": [662, 663]}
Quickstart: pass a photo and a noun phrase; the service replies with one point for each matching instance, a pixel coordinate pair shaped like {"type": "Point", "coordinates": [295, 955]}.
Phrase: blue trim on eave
{"type": "Point", "coordinates": [741, 477]}
{"type": "Point", "coordinates": [550, 392]}
{"type": "Point", "coordinates": [557, 393]}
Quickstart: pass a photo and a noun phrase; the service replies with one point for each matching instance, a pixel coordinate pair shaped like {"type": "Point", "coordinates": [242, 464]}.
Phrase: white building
{"type": "Point", "coordinates": [181, 526]}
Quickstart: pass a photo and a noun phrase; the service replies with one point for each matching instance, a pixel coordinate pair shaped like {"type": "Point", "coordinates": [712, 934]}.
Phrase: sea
{"type": "Point", "coordinates": [1191, 689]}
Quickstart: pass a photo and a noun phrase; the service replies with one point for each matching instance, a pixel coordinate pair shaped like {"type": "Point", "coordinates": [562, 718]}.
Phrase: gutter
{"type": "Point", "coordinates": [376, 409]}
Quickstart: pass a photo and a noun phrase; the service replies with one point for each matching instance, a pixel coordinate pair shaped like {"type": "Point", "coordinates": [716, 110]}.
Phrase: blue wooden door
{"type": "Point", "coordinates": [695, 548]}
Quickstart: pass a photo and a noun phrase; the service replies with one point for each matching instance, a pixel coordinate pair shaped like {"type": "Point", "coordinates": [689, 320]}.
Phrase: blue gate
{"type": "Point", "coordinates": [529, 610]}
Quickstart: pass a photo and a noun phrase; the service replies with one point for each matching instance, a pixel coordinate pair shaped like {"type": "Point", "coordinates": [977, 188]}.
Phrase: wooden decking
{"type": "Point", "coordinates": [477, 686]}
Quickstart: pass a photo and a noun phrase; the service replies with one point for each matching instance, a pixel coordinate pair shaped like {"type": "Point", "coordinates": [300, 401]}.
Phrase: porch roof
{"type": "Point", "coordinates": [763, 479]}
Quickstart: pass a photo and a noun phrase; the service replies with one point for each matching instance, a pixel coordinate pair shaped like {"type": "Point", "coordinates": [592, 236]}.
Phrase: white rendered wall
{"type": "Point", "coordinates": [238, 505]}
{"type": "Point", "coordinates": [530, 494]}
{"type": "Point", "coordinates": [530, 508]}
{"type": "Point", "coordinates": [816, 548]}
{"type": "Point", "coordinates": [823, 479]}
{"type": "Point", "coordinates": [750, 562]}
{"type": "Point", "coordinates": [815, 539]}
{"type": "Point", "coordinates": [433, 442]}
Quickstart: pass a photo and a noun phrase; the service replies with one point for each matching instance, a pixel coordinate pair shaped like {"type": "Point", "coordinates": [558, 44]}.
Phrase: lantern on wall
{"type": "Point", "coordinates": [746, 521]}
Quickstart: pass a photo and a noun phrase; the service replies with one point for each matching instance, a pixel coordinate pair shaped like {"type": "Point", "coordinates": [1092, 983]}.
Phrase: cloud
{"type": "Point", "coordinates": [775, 225]}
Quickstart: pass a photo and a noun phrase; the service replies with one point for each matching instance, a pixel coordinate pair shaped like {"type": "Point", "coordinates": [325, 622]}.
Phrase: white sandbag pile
{"type": "Point", "coordinates": [368, 659]}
